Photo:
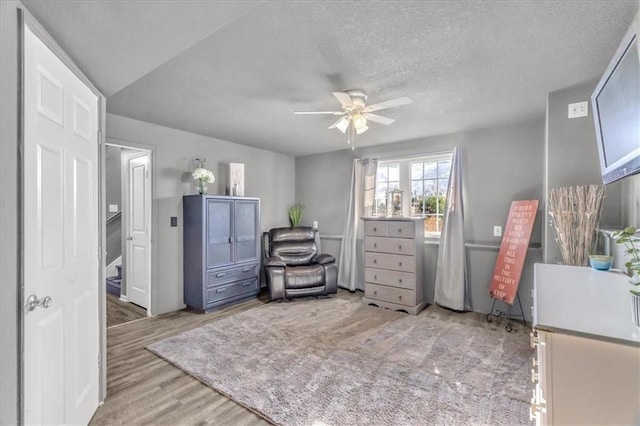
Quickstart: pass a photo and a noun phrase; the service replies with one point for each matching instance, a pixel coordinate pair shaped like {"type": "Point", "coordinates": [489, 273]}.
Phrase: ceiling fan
{"type": "Point", "coordinates": [356, 113]}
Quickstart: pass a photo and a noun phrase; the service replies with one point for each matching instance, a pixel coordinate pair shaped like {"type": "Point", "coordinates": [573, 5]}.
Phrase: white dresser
{"type": "Point", "coordinates": [586, 367]}
{"type": "Point", "coordinates": [393, 259]}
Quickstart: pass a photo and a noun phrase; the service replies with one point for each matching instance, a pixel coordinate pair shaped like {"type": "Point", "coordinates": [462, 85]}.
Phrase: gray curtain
{"type": "Point", "coordinates": [451, 288]}
{"type": "Point", "coordinates": [363, 183]}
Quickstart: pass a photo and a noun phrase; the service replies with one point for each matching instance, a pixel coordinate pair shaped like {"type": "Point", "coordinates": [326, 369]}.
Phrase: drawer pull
{"type": "Point", "coordinates": [246, 269]}
{"type": "Point", "coordinates": [375, 260]}
{"type": "Point", "coordinates": [400, 297]}
{"type": "Point", "coordinates": [375, 245]}
{"type": "Point", "coordinates": [399, 280]}
{"type": "Point", "coordinates": [375, 229]}
{"type": "Point", "coordinates": [246, 284]}
{"type": "Point", "coordinates": [400, 247]}
{"type": "Point", "coordinates": [399, 230]}
{"type": "Point", "coordinates": [375, 292]}
{"type": "Point", "coordinates": [375, 277]}
{"type": "Point", "coordinates": [399, 263]}
{"type": "Point", "coordinates": [221, 290]}
{"type": "Point", "coordinates": [221, 274]}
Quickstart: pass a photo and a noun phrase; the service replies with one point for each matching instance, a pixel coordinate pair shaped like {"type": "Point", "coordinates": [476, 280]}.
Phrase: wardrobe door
{"type": "Point", "coordinates": [246, 232]}
{"type": "Point", "coordinates": [219, 232]}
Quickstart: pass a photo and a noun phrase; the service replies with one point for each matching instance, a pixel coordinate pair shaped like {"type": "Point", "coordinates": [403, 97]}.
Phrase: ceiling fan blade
{"type": "Point", "coordinates": [341, 124]}
{"type": "Point", "coordinates": [362, 129]}
{"type": "Point", "coordinates": [344, 99]}
{"type": "Point", "coordinates": [388, 104]}
{"type": "Point", "coordinates": [318, 112]}
{"type": "Point", "coordinates": [378, 119]}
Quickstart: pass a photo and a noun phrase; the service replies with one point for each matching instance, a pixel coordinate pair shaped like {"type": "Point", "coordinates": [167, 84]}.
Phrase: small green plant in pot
{"type": "Point", "coordinates": [295, 215]}
{"type": "Point", "coordinates": [632, 245]}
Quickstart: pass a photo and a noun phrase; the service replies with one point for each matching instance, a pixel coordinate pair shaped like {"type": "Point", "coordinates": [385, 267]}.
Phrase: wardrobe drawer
{"type": "Point", "coordinates": [219, 276]}
{"type": "Point", "coordinates": [375, 228]}
{"type": "Point", "coordinates": [401, 229]}
{"type": "Point", "coordinates": [396, 295]}
{"type": "Point", "coordinates": [396, 262]}
{"type": "Point", "coordinates": [226, 291]}
{"type": "Point", "coordinates": [393, 278]}
{"type": "Point", "coordinates": [390, 245]}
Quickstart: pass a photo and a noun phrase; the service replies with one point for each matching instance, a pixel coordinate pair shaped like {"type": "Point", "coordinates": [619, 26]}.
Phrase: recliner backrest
{"type": "Point", "coordinates": [296, 246]}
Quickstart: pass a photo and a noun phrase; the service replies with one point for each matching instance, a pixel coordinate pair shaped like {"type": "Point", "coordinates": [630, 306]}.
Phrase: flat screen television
{"type": "Point", "coordinates": [616, 110]}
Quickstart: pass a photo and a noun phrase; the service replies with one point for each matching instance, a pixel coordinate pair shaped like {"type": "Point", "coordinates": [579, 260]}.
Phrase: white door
{"type": "Point", "coordinates": [61, 335]}
{"type": "Point", "coordinates": [137, 266]}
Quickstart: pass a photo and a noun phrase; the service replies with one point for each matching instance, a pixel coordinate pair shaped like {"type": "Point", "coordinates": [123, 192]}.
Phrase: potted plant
{"type": "Point", "coordinates": [632, 245]}
{"type": "Point", "coordinates": [295, 215]}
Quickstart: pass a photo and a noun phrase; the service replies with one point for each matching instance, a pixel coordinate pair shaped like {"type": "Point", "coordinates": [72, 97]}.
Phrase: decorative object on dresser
{"type": "Point", "coordinates": [393, 261]}
{"type": "Point", "coordinates": [586, 368]}
{"type": "Point", "coordinates": [221, 241]}
{"type": "Point", "coordinates": [575, 213]}
{"type": "Point", "coordinates": [236, 179]}
{"type": "Point", "coordinates": [294, 268]}
{"type": "Point", "coordinates": [202, 175]}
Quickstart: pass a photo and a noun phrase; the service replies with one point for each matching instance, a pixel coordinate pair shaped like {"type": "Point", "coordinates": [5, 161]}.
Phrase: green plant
{"type": "Point", "coordinates": [632, 244]}
{"type": "Point", "coordinates": [295, 215]}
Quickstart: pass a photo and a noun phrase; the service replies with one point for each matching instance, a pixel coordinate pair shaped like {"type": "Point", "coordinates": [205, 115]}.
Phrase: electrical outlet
{"type": "Point", "coordinates": [315, 224]}
{"type": "Point", "coordinates": [579, 109]}
{"type": "Point", "coordinates": [497, 231]}
{"type": "Point", "coordinates": [113, 208]}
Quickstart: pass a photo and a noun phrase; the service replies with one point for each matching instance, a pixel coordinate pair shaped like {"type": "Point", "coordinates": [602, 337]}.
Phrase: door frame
{"type": "Point", "coordinates": [153, 231]}
{"type": "Point", "coordinates": [26, 19]}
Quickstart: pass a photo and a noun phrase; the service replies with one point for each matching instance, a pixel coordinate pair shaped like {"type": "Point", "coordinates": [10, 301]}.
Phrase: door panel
{"type": "Point", "coordinates": [246, 216]}
{"type": "Point", "coordinates": [219, 227]}
{"type": "Point", "coordinates": [60, 241]}
{"type": "Point", "coordinates": [137, 268]}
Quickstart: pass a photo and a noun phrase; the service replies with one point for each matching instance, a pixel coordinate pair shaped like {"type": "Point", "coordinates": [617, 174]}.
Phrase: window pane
{"type": "Point", "coordinates": [381, 192]}
{"type": "Point", "coordinates": [416, 187]}
{"type": "Point", "coordinates": [430, 170]}
{"type": "Point", "coordinates": [394, 172]}
{"type": "Point", "coordinates": [416, 171]}
{"type": "Point", "coordinates": [382, 174]}
{"type": "Point", "coordinates": [430, 187]}
{"type": "Point", "coordinates": [444, 167]}
{"type": "Point", "coordinates": [443, 186]}
{"type": "Point", "coordinates": [394, 185]}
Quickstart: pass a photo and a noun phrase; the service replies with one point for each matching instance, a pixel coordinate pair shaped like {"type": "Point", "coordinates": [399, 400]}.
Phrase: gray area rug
{"type": "Point", "coordinates": [339, 362]}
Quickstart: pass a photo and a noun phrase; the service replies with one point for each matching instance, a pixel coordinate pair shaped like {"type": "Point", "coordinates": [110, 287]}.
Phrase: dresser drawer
{"type": "Point", "coordinates": [376, 228]}
{"type": "Point", "coordinates": [236, 273]}
{"type": "Point", "coordinates": [401, 229]}
{"type": "Point", "coordinates": [396, 262]}
{"type": "Point", "coordinates": [225, 291]}
{"type": "Point", "coordinates": [396, 295]}
{"type": "Point", "coordinates": [393, 278]}
{"type": "Point", "coordinates": [390, 245]}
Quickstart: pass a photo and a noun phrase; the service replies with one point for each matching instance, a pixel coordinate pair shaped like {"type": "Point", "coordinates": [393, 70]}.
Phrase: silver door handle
{"type": "Point", "coordinates": [33, 302]}
{"type": "Point", "coordinates": [129, 238]}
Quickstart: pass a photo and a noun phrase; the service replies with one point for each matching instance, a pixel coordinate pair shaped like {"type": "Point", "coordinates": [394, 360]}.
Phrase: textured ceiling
{"type": "Point", "coordinates": [238, 70]}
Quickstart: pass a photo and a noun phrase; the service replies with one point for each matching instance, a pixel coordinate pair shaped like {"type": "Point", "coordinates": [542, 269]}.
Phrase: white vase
{"type": "Point", "coordinates": [635, 309]}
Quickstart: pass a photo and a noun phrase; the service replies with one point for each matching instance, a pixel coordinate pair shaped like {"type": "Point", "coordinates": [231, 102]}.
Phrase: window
{"type": "Point", "coordinates": [425, 178]}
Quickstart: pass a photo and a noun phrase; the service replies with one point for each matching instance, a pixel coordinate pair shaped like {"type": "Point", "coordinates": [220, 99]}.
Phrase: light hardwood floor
{"type": "Point", "coordinates": [143, 389]}
{"type": "Point", "coordinates": [119, 312]}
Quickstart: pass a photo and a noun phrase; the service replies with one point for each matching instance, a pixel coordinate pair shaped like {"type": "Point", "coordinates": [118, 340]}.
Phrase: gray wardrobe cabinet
{"type": "Point", "coordinates": [221, 250]}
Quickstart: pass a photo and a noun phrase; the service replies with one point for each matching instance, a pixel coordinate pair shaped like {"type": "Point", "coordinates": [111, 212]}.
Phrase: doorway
{"type": "Point", "coordinates": [128, 233]}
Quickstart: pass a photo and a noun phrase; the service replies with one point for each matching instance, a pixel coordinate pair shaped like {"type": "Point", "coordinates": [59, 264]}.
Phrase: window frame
{"type": "Point", "coordinates": [405, 179]}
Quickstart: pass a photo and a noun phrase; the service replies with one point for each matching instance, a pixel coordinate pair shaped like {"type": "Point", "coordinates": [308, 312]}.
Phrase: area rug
{"type": "Point", "coordinates": [340, 362]}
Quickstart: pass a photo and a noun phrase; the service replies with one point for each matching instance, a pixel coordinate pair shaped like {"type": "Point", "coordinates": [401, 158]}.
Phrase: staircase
{"type": "Point", "coordinates": [114, 283]}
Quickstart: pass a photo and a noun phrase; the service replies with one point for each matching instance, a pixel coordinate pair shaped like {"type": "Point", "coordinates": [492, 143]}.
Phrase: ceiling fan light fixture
{"type": "Point", "coordinates": [359, 120]}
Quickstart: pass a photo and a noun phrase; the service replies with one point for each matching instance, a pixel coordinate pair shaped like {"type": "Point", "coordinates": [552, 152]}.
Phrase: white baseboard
{"type": "Point", "coordinates": [124, 298]}
{"type": "Point", "coordinates": [111, 268]}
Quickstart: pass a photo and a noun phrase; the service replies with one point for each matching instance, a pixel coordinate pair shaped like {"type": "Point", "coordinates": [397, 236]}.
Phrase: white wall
{"type": "Point", "coordinates": [268, 175]}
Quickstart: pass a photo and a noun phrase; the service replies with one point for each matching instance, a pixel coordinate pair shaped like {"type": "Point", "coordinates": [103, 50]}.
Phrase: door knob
{"type": "Point", "coordinates": [129, 238]}
{"type": "Point", "coordinates": [33, 302]}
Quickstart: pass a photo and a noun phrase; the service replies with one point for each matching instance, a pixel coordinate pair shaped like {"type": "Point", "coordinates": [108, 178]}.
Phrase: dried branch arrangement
{"type": "Point", "coordinates": [575, 213]}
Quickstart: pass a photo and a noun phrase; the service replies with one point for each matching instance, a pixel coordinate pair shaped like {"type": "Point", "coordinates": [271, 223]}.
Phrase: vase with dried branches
{"type": "Point", "coordinates": [575, 213]}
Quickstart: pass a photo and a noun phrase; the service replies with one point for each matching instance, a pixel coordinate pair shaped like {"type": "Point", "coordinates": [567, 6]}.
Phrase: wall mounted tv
{"type": "Point", "coordinates": [616, 110]}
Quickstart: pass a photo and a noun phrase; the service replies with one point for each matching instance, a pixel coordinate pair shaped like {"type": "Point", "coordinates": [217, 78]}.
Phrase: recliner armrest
{"type": "Point", "coordinates": [323, 259]}
{"type": "Point", "coordinates": [274, 261]}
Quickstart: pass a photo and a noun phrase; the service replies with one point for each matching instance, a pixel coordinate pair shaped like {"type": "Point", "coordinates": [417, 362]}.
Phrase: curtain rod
{"type": "Point", "coordinates": [405, 157]}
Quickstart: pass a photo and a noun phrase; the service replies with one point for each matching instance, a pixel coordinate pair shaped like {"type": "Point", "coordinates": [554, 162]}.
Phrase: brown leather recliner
{"type": "Point", "coordinates": [293, 267]}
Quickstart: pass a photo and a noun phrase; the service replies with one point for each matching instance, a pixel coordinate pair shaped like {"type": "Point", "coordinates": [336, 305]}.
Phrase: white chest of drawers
{"type": "Point", "coordinates": [393, 258]}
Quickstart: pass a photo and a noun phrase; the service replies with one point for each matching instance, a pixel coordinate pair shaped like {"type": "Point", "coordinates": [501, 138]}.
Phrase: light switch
{"type": "Point", "coordinates": [113, 208]}
{"type": "Point", "coordinates": [174, 221]}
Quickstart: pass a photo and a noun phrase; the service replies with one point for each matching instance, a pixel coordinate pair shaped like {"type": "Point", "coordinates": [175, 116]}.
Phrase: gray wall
{"type": "Point", "coordinates": [268, 175]}
{"type": "Point", "coordinates": [572, 158]}
{"type": "Point", "coordinates": [113, 195]}
{"type": "Point", "coordinates": [9, 202]}
{"type": "Point", "coordinates": [500, 165]}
